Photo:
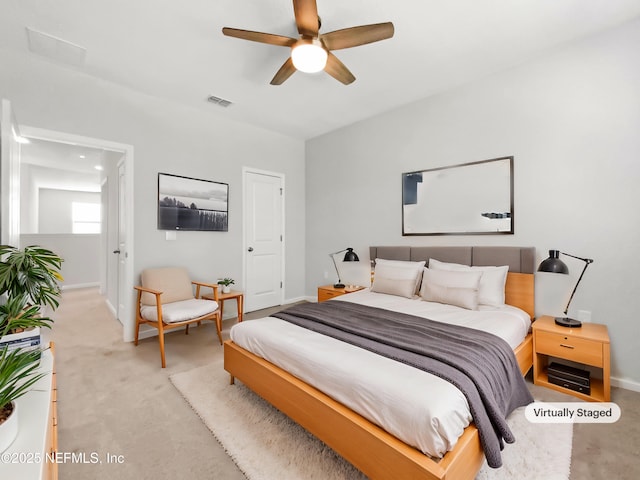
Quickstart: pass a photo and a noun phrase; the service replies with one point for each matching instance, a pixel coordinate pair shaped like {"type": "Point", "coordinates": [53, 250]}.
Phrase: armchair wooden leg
{"type": "Point", "coordinates": [161, 342]}
{"type": "Point", "coordinates": [186, 329]}
{"type": "Point", "coordinates": [219, 326]}
{"type": "Point", "coordinates": [135, 341]}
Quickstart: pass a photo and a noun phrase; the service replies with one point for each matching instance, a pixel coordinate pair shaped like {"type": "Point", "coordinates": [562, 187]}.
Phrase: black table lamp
{"type": "Point", "coordinates": [553, 264]}
{"type": "Point", "coordinates": [350, 256]}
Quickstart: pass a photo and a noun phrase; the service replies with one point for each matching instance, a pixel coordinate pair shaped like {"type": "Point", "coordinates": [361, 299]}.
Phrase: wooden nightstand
{"type": "Point", "coordinates": [327, 292]}
{"type": "Point", "coordinates": [587, 345]}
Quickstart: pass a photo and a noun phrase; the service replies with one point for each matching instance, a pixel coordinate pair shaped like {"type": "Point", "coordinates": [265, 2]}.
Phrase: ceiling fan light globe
{"type": "Point", "coordinates": [309, 57]}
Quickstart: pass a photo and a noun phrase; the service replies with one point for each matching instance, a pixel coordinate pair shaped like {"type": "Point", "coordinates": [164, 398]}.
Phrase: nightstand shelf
{"type": "Point", "coordinates": [327, 292]}
{"type": "Point", "coordinates": [588, 345]}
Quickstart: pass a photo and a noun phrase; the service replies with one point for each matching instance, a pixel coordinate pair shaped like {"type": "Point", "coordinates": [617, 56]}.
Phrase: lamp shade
{"type": "Point", "coordinates": [553, 264]}
{"type": "Point", "coordinates": [350, 256]}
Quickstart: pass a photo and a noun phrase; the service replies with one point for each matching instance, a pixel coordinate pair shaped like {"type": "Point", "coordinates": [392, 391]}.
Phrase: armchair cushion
{"type": "Point", "coordinates": [180, 311]}
{"type": "Point", "coordinates": [173, 282]}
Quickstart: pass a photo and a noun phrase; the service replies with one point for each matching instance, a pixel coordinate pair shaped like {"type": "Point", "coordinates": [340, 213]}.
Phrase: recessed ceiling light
{"type": "Point", "coordinates": [82, 156]}
{"type": "Point", "coordinates": [22, 140]}
{"type": "Point", "coordinates": [98, 167]}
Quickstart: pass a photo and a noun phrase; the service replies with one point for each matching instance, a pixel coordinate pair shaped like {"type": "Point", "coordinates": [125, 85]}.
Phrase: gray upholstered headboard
{"type": "Point", "coordinates": [519, 259]}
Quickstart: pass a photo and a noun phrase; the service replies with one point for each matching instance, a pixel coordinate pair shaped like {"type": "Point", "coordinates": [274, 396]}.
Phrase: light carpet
{"type": "Point", "coordinates": [267, 445]}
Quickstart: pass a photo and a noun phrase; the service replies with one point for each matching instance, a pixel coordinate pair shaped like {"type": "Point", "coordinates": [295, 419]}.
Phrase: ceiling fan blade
{"type": "Point", "coordinates": [337, 70]}
{"type": "Point", "coordinates": [306, 12]}
{"type": "Point", "coordinates": [286, 70]}
{"type": "Point", "coordinates": [260, 37]}
{"type": "Point", "coordinates": [354, 36]}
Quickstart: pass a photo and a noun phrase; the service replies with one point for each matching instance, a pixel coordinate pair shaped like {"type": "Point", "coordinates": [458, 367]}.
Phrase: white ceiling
{"type": "Point", "coordinates": [176, 50]}
{"type": "Point", "coordinates": [62, 166]}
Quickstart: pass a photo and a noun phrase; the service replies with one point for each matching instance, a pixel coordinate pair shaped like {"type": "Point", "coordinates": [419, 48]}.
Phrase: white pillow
{"type": "Point", "coordinates": [396, 277]}
{"type": "Point", "coordinates": [491, 289]}
{"type": "Point", "coordinates": [451, 287]}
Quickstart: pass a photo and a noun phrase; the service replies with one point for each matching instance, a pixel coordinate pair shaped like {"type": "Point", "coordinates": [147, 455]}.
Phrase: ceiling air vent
{"type": "Point", "coordinates": [56, 48]}
{"type": "Point", "coordinates": [219, 101]}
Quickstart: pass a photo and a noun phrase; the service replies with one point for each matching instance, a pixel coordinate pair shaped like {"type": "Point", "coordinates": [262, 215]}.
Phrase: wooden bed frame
{"type": "Point", "coordinates": [376, 453]}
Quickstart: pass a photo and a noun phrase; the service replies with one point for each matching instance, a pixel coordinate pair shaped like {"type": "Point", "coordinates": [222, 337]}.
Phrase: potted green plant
{"type": "Point", "coordinates": [33, 271]}
{"type": "Point", "coordinates": [17, 315]}
{"type": "Point", "coordinates": [18, 373]}
{"type": "Point", "coordinates": [28, 281]}
{"type": "Point", "coordinates": [226, 284]}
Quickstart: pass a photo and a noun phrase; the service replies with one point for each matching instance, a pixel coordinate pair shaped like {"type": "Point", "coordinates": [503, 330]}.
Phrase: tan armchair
{"type": "Point", "coordinates": [166, 301]}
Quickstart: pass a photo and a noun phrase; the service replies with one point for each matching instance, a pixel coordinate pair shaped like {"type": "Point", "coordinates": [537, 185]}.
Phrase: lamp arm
{"type": "Point", "coordinates": [333, 259]}
{"type": "Point", "coordinates": [334, 263]}
{"type": "Point", "coordinates": [587, 261]}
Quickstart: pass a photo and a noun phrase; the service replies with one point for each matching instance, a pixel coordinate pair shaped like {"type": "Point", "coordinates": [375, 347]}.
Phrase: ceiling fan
{"type": "Point", "coordinates": [312, 52]}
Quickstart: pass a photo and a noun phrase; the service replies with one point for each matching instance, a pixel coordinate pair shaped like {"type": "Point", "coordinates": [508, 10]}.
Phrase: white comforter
{"type": "Point", "coordinates": [420, 409]}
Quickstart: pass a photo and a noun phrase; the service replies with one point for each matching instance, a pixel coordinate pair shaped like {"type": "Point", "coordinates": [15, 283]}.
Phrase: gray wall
{"type": "Point", "coordinates": [167, 137]}
{"type": "Point", "coordinates": [571, 119]}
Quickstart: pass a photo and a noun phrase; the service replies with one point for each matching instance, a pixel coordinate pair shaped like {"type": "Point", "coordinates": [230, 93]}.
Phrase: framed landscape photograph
{"type": "Point", "coordinates": [191, 204]}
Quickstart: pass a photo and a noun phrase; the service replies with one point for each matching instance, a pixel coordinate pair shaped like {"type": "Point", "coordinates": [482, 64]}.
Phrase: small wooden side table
{"type": "Point", "coordinates": [237, 294]}
{"type": "Point", "coordinates": [587, 345]}
{"type": "Point", "coordinates": [327, 292]}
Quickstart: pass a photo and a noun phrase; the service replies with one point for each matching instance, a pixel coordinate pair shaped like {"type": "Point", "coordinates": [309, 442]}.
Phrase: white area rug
{"type": "Point", "coordinates": [267, 445]}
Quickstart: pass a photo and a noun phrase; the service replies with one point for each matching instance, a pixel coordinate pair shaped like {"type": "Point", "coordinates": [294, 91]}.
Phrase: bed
{"type": "Point", "coordinates": [369, 447]}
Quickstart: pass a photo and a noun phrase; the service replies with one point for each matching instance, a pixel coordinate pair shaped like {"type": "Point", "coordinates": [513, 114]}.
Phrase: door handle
{"type": "Point", "coordinates": [250, 249]}
{"type": "Point", "coordinates": [116, 251]}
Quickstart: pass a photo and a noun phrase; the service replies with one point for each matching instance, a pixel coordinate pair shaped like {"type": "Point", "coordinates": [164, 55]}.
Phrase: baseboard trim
{"type": "Point", "coordinates": [295, 300]}
{"type": "Point", "coordinates": [625, 383]}
{"type": "Point", "coordinates": [80, 285]}
{"type": "Point", "coordinates": [111, 308]}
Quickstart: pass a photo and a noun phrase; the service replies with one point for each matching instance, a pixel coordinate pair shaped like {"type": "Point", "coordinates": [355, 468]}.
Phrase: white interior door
{"type": "Point", "coordinates": [9, 177]}
{"type": "Point", "coordinates": [264, 242]}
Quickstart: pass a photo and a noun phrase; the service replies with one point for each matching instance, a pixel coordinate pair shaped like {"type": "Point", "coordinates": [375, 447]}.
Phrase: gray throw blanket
{"type": "Point", "coordinates": [481, 365]}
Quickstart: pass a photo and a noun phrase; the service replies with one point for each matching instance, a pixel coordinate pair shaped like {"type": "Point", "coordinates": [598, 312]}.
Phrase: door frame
{"type": "Point", "coordinates": [245, 212]}
{"type": "Point", "coordinates": [9, 175]}
{"type": "Point", "coordinates": [128, 323]}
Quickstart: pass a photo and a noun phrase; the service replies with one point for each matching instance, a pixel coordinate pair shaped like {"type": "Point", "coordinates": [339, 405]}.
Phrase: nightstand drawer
{"type": "Point", "coordinates": [579, 350]}
{"type": "Point", "coordinates": [327, 294]}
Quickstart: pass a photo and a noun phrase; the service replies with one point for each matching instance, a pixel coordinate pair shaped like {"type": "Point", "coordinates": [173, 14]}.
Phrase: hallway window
{"type": "Point", "coordinates": [85, 217]}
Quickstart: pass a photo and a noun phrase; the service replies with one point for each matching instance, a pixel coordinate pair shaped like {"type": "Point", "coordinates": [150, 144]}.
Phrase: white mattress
{"type": "Point", "coordinates": [420, 409]}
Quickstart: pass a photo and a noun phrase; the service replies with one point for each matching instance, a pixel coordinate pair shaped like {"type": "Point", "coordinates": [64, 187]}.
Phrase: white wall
{"type": "Point", "coordinates": [167, 137]}
{"type": "Point", "coordinates": [80, 255]}
{"type": "Point", "coordinates": [55, 209]}
{"type": "Point", "coordinates": [34, 178]}
{"type": "Point", "coordinates": [572, 121]}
